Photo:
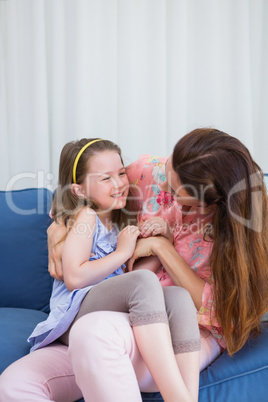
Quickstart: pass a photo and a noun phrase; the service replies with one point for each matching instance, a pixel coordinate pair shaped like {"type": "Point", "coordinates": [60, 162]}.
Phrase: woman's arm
{"type": "Point", "coordinates": [78, 271]}
{"type": "Point", "coordinates": [177, 268]}
{"type": "Point", "coordinates": [56, 235]}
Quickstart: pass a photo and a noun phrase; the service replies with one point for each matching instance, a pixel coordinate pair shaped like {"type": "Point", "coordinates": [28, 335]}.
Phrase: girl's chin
{"type": "Point", "coordinates": [117, 203]}
{"type": "Point", "coordinates": [120, 203]}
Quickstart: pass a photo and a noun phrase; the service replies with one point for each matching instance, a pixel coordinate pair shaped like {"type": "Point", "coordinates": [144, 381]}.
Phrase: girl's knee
{"type": "Point", "coordinates": [179, 299]}
{"type": "Point", "coordinates": [177, 291]}
{"type": "Point", "coordinates": [145, 280]}
{"type": "Point", "coordinates": [144, 275]}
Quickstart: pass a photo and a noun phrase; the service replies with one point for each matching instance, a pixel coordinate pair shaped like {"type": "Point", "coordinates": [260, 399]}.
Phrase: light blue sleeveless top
{"type": "Point", "coordinates": [64, 305]}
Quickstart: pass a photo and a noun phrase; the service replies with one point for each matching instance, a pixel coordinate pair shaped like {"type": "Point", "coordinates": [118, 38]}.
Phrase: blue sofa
{"type": "Point", "coordinates": [25, 288]}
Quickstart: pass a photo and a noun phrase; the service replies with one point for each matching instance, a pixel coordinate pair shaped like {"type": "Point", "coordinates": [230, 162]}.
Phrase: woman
{"type": "Point", "coordinates": [218, 217]}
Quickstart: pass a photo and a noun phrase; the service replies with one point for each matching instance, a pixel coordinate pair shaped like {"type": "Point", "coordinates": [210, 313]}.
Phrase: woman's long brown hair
{"type": "Point", "coordinates": [220, 169]}
{"type": "Point", "coordinates": [66, 204]}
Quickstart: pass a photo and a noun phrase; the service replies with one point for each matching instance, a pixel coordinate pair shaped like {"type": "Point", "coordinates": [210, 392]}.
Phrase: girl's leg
{"type": "Point", "coordinates": [44, 375]}
{"type": "Point", "coordinates": [185, 335]}
{"type": "Point", "coordinates": [107, 363]}
{"type": "Point", "coordinates": [140, 294]}
{"type": "Point", "coordinates": [137, 293]}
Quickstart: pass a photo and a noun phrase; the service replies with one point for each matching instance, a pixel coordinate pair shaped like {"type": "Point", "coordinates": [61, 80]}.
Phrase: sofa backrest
{"type": "Point", "coordinates": [24, 278]}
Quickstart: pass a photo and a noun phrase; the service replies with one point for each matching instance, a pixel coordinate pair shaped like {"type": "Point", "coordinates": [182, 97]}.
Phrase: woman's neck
{"type": "Point", "coordinates": [185, 208]}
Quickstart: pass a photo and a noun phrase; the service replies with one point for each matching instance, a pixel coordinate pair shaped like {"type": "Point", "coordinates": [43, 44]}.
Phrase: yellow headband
{"type": "Point", "coordinates": [78, 157]}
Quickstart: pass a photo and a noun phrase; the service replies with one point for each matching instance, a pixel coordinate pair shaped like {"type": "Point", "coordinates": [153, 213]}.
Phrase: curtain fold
{"type": "Point", "coordinates": [139, 72]}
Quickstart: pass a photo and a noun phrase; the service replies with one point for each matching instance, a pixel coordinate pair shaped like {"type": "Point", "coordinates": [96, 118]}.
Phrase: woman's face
{"type": "Point", "coordinates": [173, 186]}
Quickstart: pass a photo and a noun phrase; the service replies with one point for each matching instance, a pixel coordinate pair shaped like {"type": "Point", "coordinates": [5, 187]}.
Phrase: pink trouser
{"type": "Point", "coordinates": [102, 362]}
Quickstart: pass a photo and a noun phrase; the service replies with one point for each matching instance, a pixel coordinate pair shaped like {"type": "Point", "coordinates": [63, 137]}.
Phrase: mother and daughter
{"type": "Point", "coordinates": [202, 228]}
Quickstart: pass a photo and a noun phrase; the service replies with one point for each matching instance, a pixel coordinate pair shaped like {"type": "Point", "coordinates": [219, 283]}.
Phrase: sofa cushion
{"type": "Point", "coordinates": [16, 324]}
{"type": "Point", "coordinates": [24, 278]}
{"type": "Point", "coordinates": [241, 376]}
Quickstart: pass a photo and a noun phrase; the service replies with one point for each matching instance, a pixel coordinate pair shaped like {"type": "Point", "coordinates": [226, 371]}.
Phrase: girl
{"type": "Point", "coordinates": [91, 201]}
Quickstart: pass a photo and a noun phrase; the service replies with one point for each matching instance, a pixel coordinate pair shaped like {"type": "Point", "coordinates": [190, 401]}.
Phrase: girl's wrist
{"type": "Point", "coordinates": [121, 256]}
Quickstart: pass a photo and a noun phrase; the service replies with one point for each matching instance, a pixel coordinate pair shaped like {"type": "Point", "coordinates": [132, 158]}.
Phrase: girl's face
{"type": "Point", "coordinates": [174, 186]}
{"type": "Point", "coordinates": [106, 182]}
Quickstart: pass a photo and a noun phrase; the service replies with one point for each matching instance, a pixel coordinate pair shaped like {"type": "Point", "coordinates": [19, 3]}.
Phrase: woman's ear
{"type": "Point", "coordinates": [77, 190]}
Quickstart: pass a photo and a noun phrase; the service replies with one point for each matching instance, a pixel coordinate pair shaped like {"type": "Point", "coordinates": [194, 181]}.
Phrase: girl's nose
{"type": "Point", "coordinates": [118, 182]}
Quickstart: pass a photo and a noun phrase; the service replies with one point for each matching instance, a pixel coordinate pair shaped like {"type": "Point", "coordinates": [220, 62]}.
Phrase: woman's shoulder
{"type": "Point", "coordinates": [146, 161]}
{"type": "Point", "coordinates": [146, 170]}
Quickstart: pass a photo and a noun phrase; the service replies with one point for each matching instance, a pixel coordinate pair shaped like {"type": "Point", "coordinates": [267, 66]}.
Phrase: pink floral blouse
{"type": "Point", "coordinates": [145, 175]}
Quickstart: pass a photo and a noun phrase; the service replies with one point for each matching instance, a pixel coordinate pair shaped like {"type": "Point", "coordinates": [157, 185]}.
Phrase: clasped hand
{"type": "Point", "coordinates": [156, 226]}
{"type": "Point", "coordinates": [153, 230]}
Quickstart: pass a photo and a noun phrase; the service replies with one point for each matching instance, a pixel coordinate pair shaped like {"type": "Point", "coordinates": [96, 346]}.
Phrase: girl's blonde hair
{"type": "Point", "coordinates": [212, 160]}
{"type": "Point", "coordinates": [66, 204]}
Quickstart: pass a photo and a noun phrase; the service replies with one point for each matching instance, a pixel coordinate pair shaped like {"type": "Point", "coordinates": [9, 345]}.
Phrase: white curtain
{"type": "Point", "coordinates": [139, 72]}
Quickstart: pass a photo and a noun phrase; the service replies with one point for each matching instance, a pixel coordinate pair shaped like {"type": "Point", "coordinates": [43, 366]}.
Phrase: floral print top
{"type": "Point", "coordinates": [145, 175]}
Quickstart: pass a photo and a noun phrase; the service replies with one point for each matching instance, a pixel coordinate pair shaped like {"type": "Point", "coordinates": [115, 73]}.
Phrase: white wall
{"type": "Point", "coordinates": [139, 72]}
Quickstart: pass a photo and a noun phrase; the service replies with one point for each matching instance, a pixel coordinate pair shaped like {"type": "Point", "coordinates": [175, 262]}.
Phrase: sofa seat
{"type": "Point", "coordinates": [16, 326]}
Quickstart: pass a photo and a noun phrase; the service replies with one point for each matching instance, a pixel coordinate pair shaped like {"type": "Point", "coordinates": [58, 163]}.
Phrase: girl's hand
{"type": "Point", "coordinates": [144, 248]}
{"type": "Point", "coordinates": [126, 241]}
{"type": "Point", "coordinates": [156, 226]}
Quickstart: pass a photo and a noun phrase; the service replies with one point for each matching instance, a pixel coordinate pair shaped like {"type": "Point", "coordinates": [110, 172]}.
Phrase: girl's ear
{"type": "Point", "coordinates": [77, 190]}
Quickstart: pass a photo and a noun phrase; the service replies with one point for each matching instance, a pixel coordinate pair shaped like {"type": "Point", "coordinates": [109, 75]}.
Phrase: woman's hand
{"type": "Point", "coordinates": [156, 226]}
{"type": "Point", "coordinates": [144, 248]}
{"type": "Point", "coordinates": [126, 241]}
{"type": "Point", "coordinates": [55, 234]}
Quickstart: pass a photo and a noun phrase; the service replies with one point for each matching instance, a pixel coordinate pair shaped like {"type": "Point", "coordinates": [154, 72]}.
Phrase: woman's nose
{"type": "Point", "coordinates": [163, 186]}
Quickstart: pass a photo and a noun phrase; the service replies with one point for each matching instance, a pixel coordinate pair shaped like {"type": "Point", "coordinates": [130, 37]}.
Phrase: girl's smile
{"type": "Point", "coordinates": [106, 183]}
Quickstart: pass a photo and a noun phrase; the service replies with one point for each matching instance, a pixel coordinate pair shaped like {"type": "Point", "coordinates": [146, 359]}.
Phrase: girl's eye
{"type": "Point", "coordinates": [106, 178]}
{"type": "Point", "coordinates": [123, 174]}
